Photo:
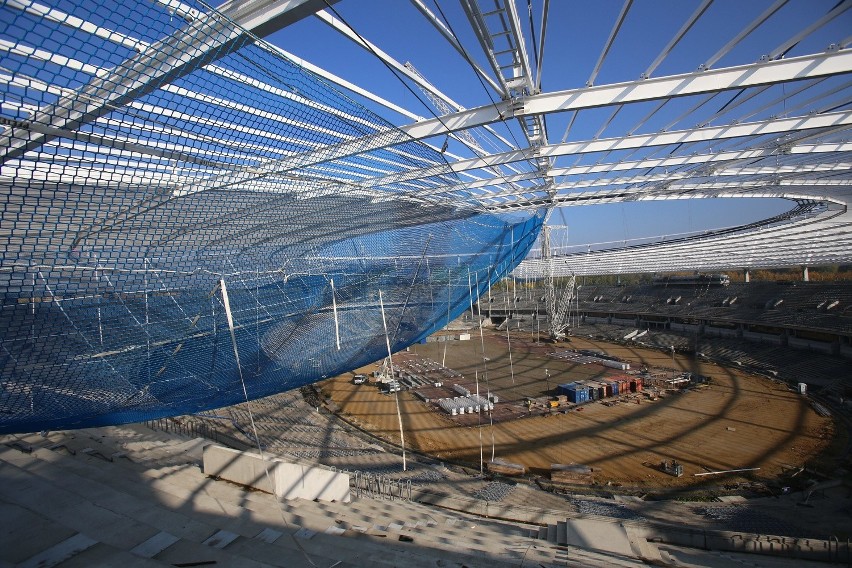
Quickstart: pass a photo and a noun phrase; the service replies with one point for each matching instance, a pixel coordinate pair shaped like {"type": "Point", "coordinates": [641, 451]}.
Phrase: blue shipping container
{"type": "Point", "coordinates": [574, 391]}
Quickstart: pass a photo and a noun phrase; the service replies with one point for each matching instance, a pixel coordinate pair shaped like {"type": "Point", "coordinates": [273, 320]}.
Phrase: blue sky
{"type": "Point", "coordinates": [575, 36]}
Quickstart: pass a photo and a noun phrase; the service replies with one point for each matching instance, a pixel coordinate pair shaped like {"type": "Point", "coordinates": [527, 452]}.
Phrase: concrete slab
{"type": "Point", "coordinates": [640, 545]}
{"type": "Point", "coordinates": [103, 555]}
{"type": "Point", "coordinates": [562, 533]}
{"type": "Point", "coordinates": [598, 535]}
{"type": "Point", "coordinates": [154, 545]}
{"type": "Point", "coordinates": [26, 533]}
{"type": "Point", "coordinates": [186, 552]}
{"type": "Point", "coordinates": [60, 552]}
{"type": "Point", "coordinates": [304, 533]}
{"type": "Point", "coordinates": [285, 480]}
{"type": "Point", "coordinates": [269, 535]}
{"type": "Point", "coordinates": [221, 539]}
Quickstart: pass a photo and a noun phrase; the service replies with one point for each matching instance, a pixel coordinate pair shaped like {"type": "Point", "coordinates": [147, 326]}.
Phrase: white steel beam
{"type": "Point", "coordinates": [264, 17]}
{"type": "Point", "coordinates": [842, 119]}
{"type": "Point", "coordinates": [760, 128]}
{"type": "Point", "coordinates": [675, 161]}
{"type": "Point", "coordinates": [736, 77]}
{"type": "Point", "coordinates": [762, 73]}
{"type": "Point", "coordinates": [203, 40]}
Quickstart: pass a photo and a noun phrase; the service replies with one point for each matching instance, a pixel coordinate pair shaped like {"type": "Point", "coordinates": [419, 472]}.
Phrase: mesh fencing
{"type": "Point", "coordinates": [151, 150]}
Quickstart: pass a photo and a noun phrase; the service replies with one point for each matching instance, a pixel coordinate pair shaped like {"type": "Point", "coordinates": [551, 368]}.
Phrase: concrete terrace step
{"type": "Point", "coordinates": [74, 512]}
{"type": "Point", "coordinates": [481, 537]}
{"type": "Point", "coordinates": [247, 523]}
{"type": "Point", "coordinates": [82, 505]}
{"type": "Point", "coordinates": [101, 554]}
{"type": "Point", "coordinates": [407, 514]}
{"type": "Point", "coordinates": [147, 449]}
{"type": "Point", "coordinates": [598, 539]}
{"type": "Point", "coordinates": [25, 533]}
{"type": "Point", "coordinates": [178, 481]}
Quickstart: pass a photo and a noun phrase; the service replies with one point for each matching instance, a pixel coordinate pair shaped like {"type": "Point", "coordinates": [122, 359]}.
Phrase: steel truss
{"type": "Point", "coordinates": [772, 126]}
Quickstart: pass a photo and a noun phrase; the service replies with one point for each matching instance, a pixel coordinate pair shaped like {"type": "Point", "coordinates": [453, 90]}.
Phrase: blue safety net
{"type": "Point", "coordinates": [162, 170]}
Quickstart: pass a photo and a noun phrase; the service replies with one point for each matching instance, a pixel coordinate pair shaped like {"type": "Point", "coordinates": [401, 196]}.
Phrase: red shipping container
{"type": "Point", "coordinates": [636, 385]}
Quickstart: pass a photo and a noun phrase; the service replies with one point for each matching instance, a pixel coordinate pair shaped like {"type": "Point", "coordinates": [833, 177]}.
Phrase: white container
{"type": "Point", "coordinates": [803, 388]}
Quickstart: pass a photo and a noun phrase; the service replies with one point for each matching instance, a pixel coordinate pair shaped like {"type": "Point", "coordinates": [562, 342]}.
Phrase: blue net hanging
{"type": "Point", "coordinates": [151, 154]}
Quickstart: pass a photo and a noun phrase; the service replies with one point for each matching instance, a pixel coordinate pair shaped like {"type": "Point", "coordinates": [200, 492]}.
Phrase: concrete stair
{"type": "Point", "coordinates": [71, 507]}
{"type": "Point", "coordinates": [429, 527]}
{"type": "Point", "coordinates": [591, 542]}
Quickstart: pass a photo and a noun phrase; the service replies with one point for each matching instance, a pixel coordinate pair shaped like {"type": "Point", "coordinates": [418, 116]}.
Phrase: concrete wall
{"type": "Point", "coordinates": [762, 337]}
{"type": "Point", "coordinates": [808, 549]}
{"type": "Point", "coordinates": [711, 331]}
{"type": "Point", "coordinates": [286, 480]}
{"type": "Point", "coordinates": [809, 344]}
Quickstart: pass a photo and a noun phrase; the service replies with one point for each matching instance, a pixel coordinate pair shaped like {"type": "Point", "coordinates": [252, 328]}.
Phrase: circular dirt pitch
{"type": "Point", "coordinates": [736, 421]}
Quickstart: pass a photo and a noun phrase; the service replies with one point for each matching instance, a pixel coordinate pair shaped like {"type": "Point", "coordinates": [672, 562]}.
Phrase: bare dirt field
{"type": "Point", "coordinates": [738, 421]}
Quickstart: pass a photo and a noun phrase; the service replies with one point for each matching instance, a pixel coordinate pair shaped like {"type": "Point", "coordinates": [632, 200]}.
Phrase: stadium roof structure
{"type": "Point", "coordinates": [758, 115]}
{"type": "Point", "coordinates": [192, 216]}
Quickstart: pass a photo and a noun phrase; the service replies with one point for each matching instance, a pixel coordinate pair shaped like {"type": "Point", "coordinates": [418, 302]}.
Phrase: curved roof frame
{"type": "Point", "coordinates": [772, 127]}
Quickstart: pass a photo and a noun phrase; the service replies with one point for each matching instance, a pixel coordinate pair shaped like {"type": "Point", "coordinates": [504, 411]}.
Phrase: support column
{"type": "Point", "coordinates": [805, 276]}
{"type": "Point", "coordinates": [746, 275]}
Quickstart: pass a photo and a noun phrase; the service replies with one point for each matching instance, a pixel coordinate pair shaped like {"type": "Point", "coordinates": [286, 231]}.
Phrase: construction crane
{"type": "Point", "coordinates": [558, 305]}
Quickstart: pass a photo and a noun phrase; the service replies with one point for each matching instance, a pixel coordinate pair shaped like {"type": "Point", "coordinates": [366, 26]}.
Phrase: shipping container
{"type": "Point", "coordinates": [597, 390]}
{"type": "Point", "coordinates": [622, 383]}
{"type": "Point", "coordinates": [576, 392]}
{"type": "Point", "coordinates": [636, 384]}
{"type": "Point", "coordinates": [593, 391]}
{"type": "Point", "coordinates": [579, 395]}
